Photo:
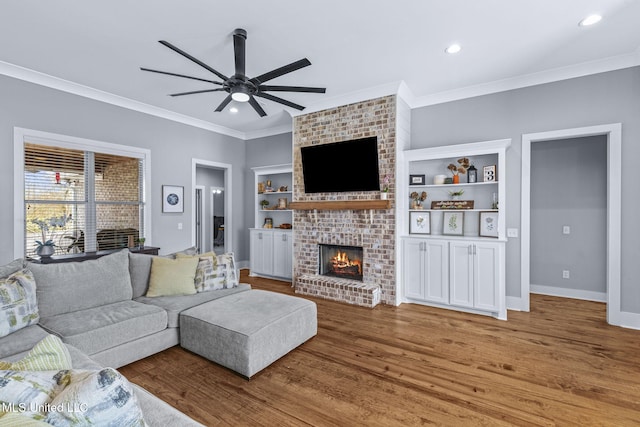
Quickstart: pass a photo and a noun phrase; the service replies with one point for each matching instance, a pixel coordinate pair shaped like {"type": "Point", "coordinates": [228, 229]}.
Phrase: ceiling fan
{"type": "Point", "coordinates": [239, 87]}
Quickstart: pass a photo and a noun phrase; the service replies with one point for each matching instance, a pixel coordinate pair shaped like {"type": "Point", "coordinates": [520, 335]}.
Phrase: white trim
{"type": "Point", "coordinates": [261, 133]}
{"type": "Point", "coordinates": [228, 207]}
{"type": "Point", "coordinates": [614, 214]}
{"type": "Point", "coordinates": [22, 135]}
{"type": "Point", "coordinates": [534, 79]}
{"type": "Point", "coordinates": [202, 189]}
{"type": "Point", "coordinates": [569, 293]}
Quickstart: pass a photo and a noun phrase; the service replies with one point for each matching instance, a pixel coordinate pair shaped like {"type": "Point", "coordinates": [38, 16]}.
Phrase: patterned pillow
{"type": "Point", "coordinates": [48, 355]}
{"type": "Point", "coordinates": [28, 392]}
{"type": "Point", "coordinates": [16, 419]}
{"type": "Point", "coordinates": [96, 398]}
{"type": "Point", "coordinates": [214, 271]}
{"type": "Point", "coordinates": [18, 304]}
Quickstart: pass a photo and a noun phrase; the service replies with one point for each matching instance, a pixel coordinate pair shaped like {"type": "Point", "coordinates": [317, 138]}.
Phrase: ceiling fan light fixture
{"type": "Point", "coordinates": [590, 20]}
{"type": "Point", "coordinates": [240, 94]}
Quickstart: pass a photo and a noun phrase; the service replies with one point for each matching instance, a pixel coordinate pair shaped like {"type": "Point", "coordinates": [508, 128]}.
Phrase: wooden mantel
{"type": "Point", "coordinates": [340, 205]}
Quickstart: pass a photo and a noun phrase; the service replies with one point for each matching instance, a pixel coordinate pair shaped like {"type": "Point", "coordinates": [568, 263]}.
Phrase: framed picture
{"type": "Point", "coordinates": [172, 198]}
{"type": "Point", "coordinates": [488, 224]}
{"type": "Point", "coordinates": [489, 173]}
{"type": "Point", "coordinates": [453, 223]}
{"type": "Point", "coordinates": [416, 180]}
{"type": "Point", "coordinates": [419, 222]}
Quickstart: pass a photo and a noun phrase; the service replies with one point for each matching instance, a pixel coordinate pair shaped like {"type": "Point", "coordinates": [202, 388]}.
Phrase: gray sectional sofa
{"type": "Point", "coordinates": [99, 310]}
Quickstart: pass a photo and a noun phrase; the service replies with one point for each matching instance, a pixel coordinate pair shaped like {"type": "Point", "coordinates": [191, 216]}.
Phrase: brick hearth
{"type": "Point", "coordinates": [373, 230]}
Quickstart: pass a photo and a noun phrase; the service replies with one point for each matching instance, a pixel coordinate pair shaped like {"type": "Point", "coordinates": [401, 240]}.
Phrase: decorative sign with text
{"type": "Point", "coordinates": [452, 204]}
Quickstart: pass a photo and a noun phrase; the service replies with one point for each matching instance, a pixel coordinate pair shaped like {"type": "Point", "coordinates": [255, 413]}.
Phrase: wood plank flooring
{"type": "Point", "coordinates": [560, 364]}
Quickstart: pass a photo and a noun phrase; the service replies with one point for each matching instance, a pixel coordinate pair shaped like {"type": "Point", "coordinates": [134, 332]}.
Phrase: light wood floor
{"type": "Point", "coordinates": [560, 364]}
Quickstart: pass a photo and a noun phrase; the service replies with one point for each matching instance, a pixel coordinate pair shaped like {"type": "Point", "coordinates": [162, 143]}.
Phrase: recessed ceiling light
{"type": "Point", "coordinates": [590, 20]}
{"type": "Point", "coordinates": [233, 110]}
{"type": "Point", "coordinates": [454, 48]}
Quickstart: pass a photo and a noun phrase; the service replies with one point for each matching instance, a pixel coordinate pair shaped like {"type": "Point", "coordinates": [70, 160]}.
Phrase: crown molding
{"type": "Point", "coordinates": [261, 133]}
{"type": "Point", "coordinates": [49, 81]}
{"type": "Point", "coordinates": [549, 76]}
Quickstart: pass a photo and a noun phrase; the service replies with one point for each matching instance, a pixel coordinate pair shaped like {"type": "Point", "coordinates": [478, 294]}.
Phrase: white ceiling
{"type": "Point", "coordinates": [95, 48]}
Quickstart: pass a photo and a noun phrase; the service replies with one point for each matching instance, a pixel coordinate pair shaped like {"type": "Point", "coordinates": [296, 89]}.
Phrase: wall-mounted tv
{"type": "Point", "coordinates": [341, 166]}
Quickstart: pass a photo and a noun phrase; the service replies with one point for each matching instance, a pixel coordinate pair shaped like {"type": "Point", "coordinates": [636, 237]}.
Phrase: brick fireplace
{"type": "Point", "coordinates": [370, 230]}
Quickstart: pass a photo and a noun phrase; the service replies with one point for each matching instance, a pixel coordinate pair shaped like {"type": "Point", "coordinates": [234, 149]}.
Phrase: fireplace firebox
{"type": "Point", "coordinates": [340, 261]}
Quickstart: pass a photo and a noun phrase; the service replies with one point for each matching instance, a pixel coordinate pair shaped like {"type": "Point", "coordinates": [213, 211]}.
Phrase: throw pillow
{"type": "Point", "coordinates": [28, 392]}
{"type": "Point", "coordinates": [16, 419]}
{"type": "Point", "coordinates": [18, 304]}
{"type": "Point", "coordinates": [172, 277]}
{"type": "Point", "coordinates": [96, 398]}
{"type": "Point", "coordinates": [48, 355]}
{"type": "Point", "coordinates": [214, 271]}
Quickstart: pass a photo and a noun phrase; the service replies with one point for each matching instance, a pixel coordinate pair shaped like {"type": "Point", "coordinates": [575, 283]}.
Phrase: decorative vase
{"type": "Point", "coordinates": [45, 251]}
{"type": "Point", "coordinates": [384, 195]}
{"type": "Point", "coordinates": [456, 179]}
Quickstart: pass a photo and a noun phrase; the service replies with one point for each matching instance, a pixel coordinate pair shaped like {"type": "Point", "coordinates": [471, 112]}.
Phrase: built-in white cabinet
{"type": "Point", "coordinates": [271, 253]}
{"type": "Point", "coordinates": [453, 249]}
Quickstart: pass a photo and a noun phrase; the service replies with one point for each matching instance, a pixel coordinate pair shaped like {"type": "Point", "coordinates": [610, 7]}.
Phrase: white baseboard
{"type": "Point", "coordinates": [626, 319]}
{"type": "Point", "coordinates": [569, 293]}
{"type": "Point", "coordinates": [516, 303]}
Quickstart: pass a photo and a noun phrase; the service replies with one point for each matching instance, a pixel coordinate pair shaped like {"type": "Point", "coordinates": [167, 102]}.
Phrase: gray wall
{"type": "Point", "coordinates": [612, 97]}
{"type": "Point", "coordinates": [569, 188]}
{"type": "Point", "coordinates": [172, 146]}
{"type": "Point", "coordinates": [267, 151]}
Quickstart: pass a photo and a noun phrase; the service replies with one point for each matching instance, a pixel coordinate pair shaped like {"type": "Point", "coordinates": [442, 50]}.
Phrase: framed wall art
{"type": "Point", "coordinates": [488, 224]}
{"type": "Point", "coordinates": [172, 199]}
{"type": "Point", "coordinates": [419, 222]}
{"type": "Point", "coordinates": [416, 180]}
{"type": "Point", "coordinates": [453, 223]}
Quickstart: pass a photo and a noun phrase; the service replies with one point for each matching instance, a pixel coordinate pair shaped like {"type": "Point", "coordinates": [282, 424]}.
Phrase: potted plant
{"type": "Point", "coordinates": [46, 247]}
{"type": "Point", "coordinates": [463, 165]}
{"type": "Point", "coordinates": [417, 199]}
{"type": "Point", "coordinates": [455, 195]}
{"type": "Point", "coordinates": [264, 204]}
{"type": "Point", "coordinates": [384, 194]}
{"type": "Point", "coordinates": [141, 241]}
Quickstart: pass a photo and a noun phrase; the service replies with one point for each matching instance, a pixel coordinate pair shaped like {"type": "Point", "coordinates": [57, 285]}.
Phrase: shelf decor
{"type": "Point", "coordinates": [419, 223]}
{"type": "Point", "coordinates": [452, 204]}
{"type": "Point", "coordinates": [416, 180]}
{"type": "Point", "coordinates": [489, 224]}
{"type": "Point", "coordinates": [172, 199]}
{"type": "Point", "coordinates": [453, 223]}
{"type": "Point", "coordinates": [489, 173]}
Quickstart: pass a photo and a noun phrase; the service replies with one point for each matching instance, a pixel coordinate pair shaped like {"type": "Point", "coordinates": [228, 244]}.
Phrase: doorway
{"type": "Point", "coordinates": [213, 181]}
{"type": "Point", "coordinates": [613, 134]}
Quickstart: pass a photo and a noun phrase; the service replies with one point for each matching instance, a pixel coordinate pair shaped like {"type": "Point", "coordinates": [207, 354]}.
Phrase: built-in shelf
{"type": "Point", "coordinates": [456, 210]}
{"type": "Point", "coordinates": [461, 184]}
{"type": "Point", "coordinates": [341, 205]}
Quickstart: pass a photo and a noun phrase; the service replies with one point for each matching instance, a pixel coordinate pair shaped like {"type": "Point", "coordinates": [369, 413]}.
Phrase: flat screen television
{"type": "Point", "coordinates": [341, 166]}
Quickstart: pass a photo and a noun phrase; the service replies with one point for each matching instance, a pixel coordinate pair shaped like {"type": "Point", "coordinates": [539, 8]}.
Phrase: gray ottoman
{"type": "Point", "coordinates": [248, 331]}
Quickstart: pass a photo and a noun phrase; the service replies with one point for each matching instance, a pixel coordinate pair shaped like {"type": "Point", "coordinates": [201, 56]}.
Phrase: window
{"type": "Point", "coordinates": [82, 197]}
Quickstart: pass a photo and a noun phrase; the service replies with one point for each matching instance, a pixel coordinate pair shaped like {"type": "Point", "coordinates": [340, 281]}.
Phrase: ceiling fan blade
{"type": "Point", "coordinates": [224, 103]}
{"type": "Point", "coordinates": [279, 100]}
{"type": "Point", "coordinates": [239, 38]}
{"type": "Point", "coordinates": [191, 58]}
{"type": "Point", "coordinates": [196, 91]}
{"type": "Point", "coordinates": [292, 89]}
{"type": "Point", "coordinates": [280, 71]}
{"type": "Point", "coordinates": [257, 107]}
{"type": "Point", "coordinates": [179, 75]}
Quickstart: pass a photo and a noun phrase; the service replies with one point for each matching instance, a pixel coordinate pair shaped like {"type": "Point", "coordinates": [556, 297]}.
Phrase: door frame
{"type": "Point", "coordinates": [201, 189]}
{"type": "Point", "coordinates": [228, 207]}
{"type": "Point", "coordinates": [613, 132]}
{"type": "Point", "coordinates": [212, 207]}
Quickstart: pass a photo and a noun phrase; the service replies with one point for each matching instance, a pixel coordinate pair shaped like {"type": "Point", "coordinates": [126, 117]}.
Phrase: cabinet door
{"type": "Point", "coordinates": [413, 267]}
{"type": "Point", "coordinates": [436, 271]}
{"type": "Point", "coordinates": [486, 267]}
{"type": "Point", "coordinates": [282, 254]}
{"type": "Point", "coordinates": [261, 252]}
{"type": "Point", "coordinates": [461, 273]}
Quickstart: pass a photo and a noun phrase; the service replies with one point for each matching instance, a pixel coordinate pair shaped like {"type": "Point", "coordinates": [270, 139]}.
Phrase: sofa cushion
{"type": "Point", "coordinates": [100, 328]}
{"type": "Point", "coordinates": [140, 270]}
{"type": "Point", "coordinates": [172, 277]}
{"type": "Point", "coordinates": [18, 304]}
{"type": "Point", "coordinates": [174, 305]}
{"type": "Point", "coordinates": [21, 341]}
{"type": "Point", "coordinates": [48, 355]}
{"type": "Point", "coordinates": [71, 286]}
{"type": "Point", "coordinates": [104, 397]}
{"type": "Point", "coordinates": [12, 267]}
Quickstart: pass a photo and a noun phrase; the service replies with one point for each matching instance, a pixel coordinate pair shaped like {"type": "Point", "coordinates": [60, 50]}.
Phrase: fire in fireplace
{"type": "Point", "coordinates": [340, 261]}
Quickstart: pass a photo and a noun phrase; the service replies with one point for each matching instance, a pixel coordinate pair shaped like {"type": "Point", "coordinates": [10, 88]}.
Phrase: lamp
{"type": "Point", "coordinates": [240, 93]}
